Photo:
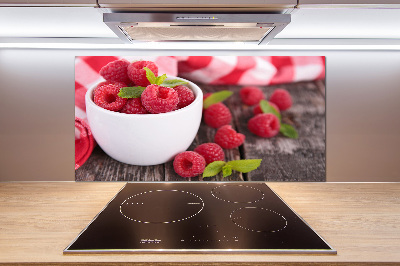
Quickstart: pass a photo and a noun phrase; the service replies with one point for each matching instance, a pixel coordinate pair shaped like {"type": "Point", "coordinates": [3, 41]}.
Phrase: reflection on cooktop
{"type": "Point", "coordinates": [198, 217]}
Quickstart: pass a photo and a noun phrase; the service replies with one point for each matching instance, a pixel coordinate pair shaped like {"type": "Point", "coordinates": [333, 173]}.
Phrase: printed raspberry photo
{"type": "Point", "coordinates": [200, 118]}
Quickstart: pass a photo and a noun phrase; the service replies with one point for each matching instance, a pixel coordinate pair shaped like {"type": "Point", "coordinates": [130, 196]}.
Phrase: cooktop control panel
{"type": "Point", "coordinates": [198, 217]}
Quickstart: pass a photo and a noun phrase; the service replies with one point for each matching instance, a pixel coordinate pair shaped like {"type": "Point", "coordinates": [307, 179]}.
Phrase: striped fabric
{"type": "Point", "coordinates": [251, 70]}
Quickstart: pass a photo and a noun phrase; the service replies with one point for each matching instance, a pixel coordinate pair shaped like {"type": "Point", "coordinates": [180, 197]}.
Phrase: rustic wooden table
{"type": "Point", "coordinates": [284, 159]}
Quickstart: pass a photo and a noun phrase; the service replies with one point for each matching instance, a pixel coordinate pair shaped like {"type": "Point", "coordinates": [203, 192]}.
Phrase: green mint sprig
{"type": "Point", "coordinates": [131, 92]}
{"type": "Point", "coordinates": [289, 131]}
{"type": "Point", "coordinates": [286, 129]}
{"type": "Point", "coordinates": [161, 80]}
{"type": "Point", "coordinates": [136, 92]}
{"type": "Point", "coordinates": [171, 83]}
{"type": "Point", "coordinates": [216, 97]}
{"type": "Point", "coordinates": [226, 170]}
{"type": "Point", "coordinates": [266, 107]}
{"type": "Point", "coordinates": [243, 166]}
{"type": "Point", "coordinates": [151, 77]}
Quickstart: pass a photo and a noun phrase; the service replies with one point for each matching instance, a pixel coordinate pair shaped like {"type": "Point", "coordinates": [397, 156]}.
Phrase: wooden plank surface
{"type": "Point", "coordinates": [360, 220]}
{"type": "Point", "coordinates": [284, 159]}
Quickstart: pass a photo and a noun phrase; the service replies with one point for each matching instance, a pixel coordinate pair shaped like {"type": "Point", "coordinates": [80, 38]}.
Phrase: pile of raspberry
{"type": "Point", "coordinates": [218, 115]}
{"type": "Point", "coordinates": [193, 163]}
{"type": "Point", "coordinates": [154, 99]}
{"type": "Point", "coordinates": [266, 125]}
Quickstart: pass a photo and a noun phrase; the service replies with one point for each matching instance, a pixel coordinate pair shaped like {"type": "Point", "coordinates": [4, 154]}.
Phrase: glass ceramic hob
{"type": "Point", "coordinates": [198, 217]}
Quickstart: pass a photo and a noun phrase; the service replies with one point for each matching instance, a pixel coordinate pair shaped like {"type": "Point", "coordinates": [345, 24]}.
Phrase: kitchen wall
{"type": "Point", "coordinates": [37, 111]}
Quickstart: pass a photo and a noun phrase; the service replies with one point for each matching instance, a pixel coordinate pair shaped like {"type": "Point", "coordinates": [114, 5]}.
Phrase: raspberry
{"type": "Point", "coordinates": [264, 125]}
{"type": "Point", "coordinates": [138, 75]}
{"type": "Point", "coordinates": [185, 95]}
{"type": "Point", "coordinates": [282, 99]}
{"type": "Point", "coordinates": [211, 152]}
{"type": "Point", "coordinates": [257, 109]}
{"type": "Point", "coordinates": [116, 71]}
{"type": "Point", "coordinates": [217, 115]}
{"type": "Point", "coordinates": [107, 97]}
{"type": "Point", "coordinates": [116, 83]}
{"type": "Point", "coordinates": [134, 106]}
{"type": "Point", "coordinates": [189, 164]}
{"type": "Point", "coordinates": [251, 95]}
{"type": "Point", "coordinates": [228, 138]}
{"type": "Point", "coordinates": [157, 99]}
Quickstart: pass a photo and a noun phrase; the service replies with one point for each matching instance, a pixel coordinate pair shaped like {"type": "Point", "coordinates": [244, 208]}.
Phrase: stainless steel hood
{"type": "Point", "coordinates": [258, 28]}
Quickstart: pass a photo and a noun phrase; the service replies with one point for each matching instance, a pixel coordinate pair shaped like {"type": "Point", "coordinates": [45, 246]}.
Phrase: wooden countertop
{"type": "Point", "coordinates": [360, 220]}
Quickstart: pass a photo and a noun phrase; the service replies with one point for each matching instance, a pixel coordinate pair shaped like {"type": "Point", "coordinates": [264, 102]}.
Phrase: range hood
{"type": "Point", "coordinates": [258, 28]}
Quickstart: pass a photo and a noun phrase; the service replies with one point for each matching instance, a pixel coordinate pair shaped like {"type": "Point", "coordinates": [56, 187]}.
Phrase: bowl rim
{"type": "Point", "coordinates": [196, 90]}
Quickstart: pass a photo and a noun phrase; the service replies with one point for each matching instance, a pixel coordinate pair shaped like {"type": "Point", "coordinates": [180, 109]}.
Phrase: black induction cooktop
{"type": "Point", "coordinates": [198, 217]}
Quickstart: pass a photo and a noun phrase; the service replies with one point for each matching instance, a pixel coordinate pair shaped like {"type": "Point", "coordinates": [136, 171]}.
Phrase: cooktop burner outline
{"type": "Point", "coordinates": [148, 193]}
{"type": "Point", "coordinates": [235, 220]}
{"type": "Point", "coordinates": [258, 197]}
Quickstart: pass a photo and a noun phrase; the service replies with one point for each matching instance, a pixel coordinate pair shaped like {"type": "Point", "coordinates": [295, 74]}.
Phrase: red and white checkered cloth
{"type": "Point", "coordinates": [216, 70]}
{"type": "Point", "coordinates": [251, 70]}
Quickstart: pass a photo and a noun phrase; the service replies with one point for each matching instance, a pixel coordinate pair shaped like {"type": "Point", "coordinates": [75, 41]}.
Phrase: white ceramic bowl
{"type": "Point", "coordinates": [145, 139]}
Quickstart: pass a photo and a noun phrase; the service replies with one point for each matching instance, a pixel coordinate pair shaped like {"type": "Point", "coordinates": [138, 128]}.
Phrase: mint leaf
{"type": "Point", "coordinates": [289, 131]}
{"type": "Point", "coordinates": [216, 97]}
{"type": "Point", "coordinates": [131, 92]}
{"type": "Point", "coordinates": [150, 75]}
{"type": "Point", "coordinates": [267, 108]}
{"type": "Point", "coordinates": [173, 83]}
{"type": "Point", "coordinates": [245, 166]}
{"type": "Point", "coordinates": [213, 168]}
{"type": "Point", "coordinates": [226, 170]}
{"type": "Point", "coordinates": [160, 79]}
